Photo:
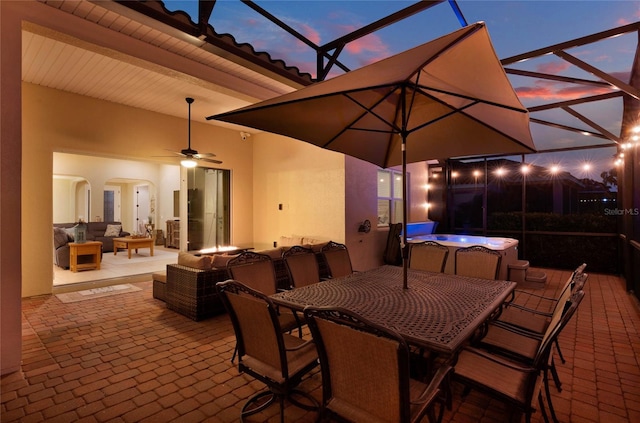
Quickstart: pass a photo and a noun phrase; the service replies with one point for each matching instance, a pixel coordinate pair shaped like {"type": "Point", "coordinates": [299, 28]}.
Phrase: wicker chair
{"type": "Point", "coordinates": [512, 378]}
{"type": "Point", "coordinates": [277, 359]}
{"type": "Point", "coordinates": [337, 258]}
{"type": "Point", "coordinates": [256, 270]}
{"type": "Point", "coordinates": [478, 262]}
{"type": "Point", "coordinates": [302, 266]}
{"type": "Point", "coordinates": [365, 371]}
{"type": "Point", "coordinates": [428, 255]}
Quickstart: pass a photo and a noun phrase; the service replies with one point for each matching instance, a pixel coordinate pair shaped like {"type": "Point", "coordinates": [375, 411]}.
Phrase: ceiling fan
{"type": "Point", "coordinates": [191, 156]}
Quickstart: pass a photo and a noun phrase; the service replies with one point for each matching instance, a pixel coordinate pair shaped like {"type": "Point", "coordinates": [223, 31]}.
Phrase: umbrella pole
{"type": "Point", "coordinates": [404, 247]}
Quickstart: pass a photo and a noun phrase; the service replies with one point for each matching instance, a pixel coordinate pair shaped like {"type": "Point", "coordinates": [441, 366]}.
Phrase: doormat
{"type": "Point", "coordinates": [90, 294]}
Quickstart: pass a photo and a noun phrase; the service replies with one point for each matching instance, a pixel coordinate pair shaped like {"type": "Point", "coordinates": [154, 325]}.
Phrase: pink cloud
{"type": "Point", "coordinates": [368, 43]}
{"type": "Point", "coordinates": [252, 22]}
{"type": "Point", "coordinates": [553, 68]}
{"type": "Point", "coordinates": [311, 34]}
{"type": "Point", "coordinates": [544, 90]}
{"type": "Point", "coordinates": [622, 76]}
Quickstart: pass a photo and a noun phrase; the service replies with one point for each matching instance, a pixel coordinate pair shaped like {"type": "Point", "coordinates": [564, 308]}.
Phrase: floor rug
{"type": "Point", "coordinates": [90, 294]}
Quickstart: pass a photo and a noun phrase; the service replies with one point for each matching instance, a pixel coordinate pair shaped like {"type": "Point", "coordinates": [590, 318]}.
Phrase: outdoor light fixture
{"type": "Point", "coordinates": [188, 163]}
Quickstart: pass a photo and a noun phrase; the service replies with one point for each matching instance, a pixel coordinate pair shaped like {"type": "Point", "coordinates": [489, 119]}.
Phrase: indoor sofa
{"type": "Point", "coordinates": [63, 234]}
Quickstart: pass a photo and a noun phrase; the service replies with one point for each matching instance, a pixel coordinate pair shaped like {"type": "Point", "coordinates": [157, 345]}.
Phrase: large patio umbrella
{"type": "Point", "coordinates": [447, 98]}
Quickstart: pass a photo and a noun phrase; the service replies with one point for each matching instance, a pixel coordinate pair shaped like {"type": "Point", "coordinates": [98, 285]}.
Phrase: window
{"type": "Point", "coordinates": [389, 197]}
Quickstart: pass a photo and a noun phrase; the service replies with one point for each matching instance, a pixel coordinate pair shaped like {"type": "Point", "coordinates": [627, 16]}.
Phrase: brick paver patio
{"type": "Point", "coordinates": [126, 358]}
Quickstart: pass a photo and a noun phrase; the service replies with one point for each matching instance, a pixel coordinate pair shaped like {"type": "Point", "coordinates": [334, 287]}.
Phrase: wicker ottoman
{"type": "Point", "coordinates": [160, 285]}
{"type": "Point", "coordinates": [192, 292]}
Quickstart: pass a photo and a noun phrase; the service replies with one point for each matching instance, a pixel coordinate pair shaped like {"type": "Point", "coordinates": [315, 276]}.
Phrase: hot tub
{"type": "Point", "coordinates": [507, 247]}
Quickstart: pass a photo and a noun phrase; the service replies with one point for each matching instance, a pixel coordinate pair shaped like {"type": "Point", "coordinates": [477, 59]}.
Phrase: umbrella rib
{"type": "Point", "coordinates": [424, 89]}
{"type": "Point", "coordinates": [366, 110]}
{"type": "Point", "coordinates": [461, 110]}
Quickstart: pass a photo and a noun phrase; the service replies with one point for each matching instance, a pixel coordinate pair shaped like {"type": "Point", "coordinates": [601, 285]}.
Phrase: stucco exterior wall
{"type": "Point", "coordinates": [58, 121]}
{"type": "Point", "coordinates": [307, 181]}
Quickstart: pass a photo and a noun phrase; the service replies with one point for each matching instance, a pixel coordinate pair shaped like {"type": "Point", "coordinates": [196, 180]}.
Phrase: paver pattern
{"type": "Point", "coordinates": [126, 358]}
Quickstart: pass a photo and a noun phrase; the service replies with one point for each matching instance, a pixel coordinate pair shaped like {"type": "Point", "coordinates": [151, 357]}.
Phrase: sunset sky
{"type": "Point", "coordinates": [515, 27]}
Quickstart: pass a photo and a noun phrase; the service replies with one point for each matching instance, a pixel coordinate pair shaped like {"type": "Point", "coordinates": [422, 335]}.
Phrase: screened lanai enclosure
{"type": "Point", "coordinates": [575, 199]}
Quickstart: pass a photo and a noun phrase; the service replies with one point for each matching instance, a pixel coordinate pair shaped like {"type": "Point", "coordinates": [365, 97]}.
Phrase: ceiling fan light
{"type": "Point", "coordinates": [188, 163]}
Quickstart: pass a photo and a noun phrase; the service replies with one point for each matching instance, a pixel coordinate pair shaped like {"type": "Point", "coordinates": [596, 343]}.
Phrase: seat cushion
{"type": "Point", "coordinates": [197, 262]}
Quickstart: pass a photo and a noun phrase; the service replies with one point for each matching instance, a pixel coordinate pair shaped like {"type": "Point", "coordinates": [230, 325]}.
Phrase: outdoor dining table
{"type": "Point", "coordinates": [437, 311]}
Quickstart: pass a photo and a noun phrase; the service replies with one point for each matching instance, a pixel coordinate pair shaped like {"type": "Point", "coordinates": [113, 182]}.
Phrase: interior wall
{"type": "Point", "coordinates": [64, 201]}
{"type": "Point", "coordinates": [102, 171]}
{"type": "Point", "coordinates": [54, 120]}
{"type": "Point", "coordinates": [298, 190]}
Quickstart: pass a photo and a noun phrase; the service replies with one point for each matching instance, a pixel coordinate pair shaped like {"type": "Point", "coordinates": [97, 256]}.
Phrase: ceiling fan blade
{"type": "Point", "coordinates": [176, 152]}
{"type": "Point", "coordinates": [211, 160]}
{"type": "Point", "coordinates": [203, 155]}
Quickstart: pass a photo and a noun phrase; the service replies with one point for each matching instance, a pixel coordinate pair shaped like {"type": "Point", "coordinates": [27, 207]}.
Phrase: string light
{"type": "Point", "coordinates": [501, 171]}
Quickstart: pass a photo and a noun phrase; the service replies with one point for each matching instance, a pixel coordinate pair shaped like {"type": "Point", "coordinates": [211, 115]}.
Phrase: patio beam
{"type": "Point", "coordinates": [572, 43]}
{"type": "Point", "coordinates": [582, 100]}
{"type": "Point", "coordinates": [560, 78]}
{"type": "Point", "coordinates": [592, 124]}
{"type": "Point", "coordinates": [567, 128]}
{"type": "Point", "coordinates": [633, 92]}
{"type": "Point", "coordinates": [338, 44]}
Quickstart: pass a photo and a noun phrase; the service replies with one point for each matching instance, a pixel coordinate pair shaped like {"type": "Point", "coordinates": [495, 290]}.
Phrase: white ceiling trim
{"type": "Point", "coordinates": [86, 49]}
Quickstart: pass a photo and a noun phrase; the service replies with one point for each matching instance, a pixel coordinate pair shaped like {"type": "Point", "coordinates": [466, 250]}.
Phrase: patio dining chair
{"type": "Point", "coordinates": [365, 371]}
{"type": "Point", "coordinates": [521, 342]}
{"type": "Point", "coordinates": [302, 266]}
{"type": "Point", "coordinates": [523, 346]}
{"type": "Point", "coordinates": [337, 258]}
{"type": "Point", "coordinates": [478, 261]}
{"type": "Point", "coordinates": [512, 379]}
{"type": "Point", "coordinates": [256, 271]}
{"type": "Point", "coordinates": [428, 255]}
{"type": "Point", "coordinates": [277, 359]}
{"type": "Point", "coordinates": [536, 320]}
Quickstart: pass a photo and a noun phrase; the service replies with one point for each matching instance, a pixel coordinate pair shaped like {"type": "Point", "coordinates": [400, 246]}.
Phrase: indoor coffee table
{"type": "Point", "coordinates": [91, 249]}
{"type": "Point", "coordinates": [131, 243]}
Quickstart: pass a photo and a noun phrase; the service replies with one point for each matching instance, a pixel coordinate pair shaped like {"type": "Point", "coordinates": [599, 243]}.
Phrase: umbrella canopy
{"type": "Point", "coordinates": [447, 98]}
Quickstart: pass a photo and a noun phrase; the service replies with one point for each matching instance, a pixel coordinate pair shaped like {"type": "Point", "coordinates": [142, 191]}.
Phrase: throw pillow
{"type": "Point", "coordinates": [220, 260]}
{"type": "Point", "coordinates": [71, 233]}
{"type": "Point", "coordinates": [113, 230]}
{"type": "Point", "coordinates": [189, 260]}
{"type": "Point", "coordinates": [60, 237]}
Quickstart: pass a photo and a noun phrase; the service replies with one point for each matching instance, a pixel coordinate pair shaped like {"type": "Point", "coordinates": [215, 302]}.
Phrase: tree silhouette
{"type": "Point", "coordinates": [610, 177]}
